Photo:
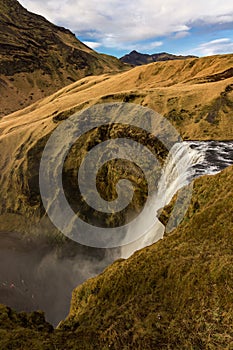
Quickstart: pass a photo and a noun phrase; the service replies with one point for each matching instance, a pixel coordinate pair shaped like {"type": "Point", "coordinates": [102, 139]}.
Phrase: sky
{"type": "Point", "coordinates": [116, 27]}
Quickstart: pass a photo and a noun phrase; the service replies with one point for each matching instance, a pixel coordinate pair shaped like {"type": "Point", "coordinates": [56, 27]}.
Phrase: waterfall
{"type": "Point", "coordinates": [42, 271]}
{"type": "Point", "coordinates": [186, 161]}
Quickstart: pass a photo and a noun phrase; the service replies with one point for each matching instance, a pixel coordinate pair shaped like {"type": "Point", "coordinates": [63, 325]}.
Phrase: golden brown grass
{"type": "Point", "coordinates": [195, 95]}
{"type": "Point", "coordinates": [176, 294]}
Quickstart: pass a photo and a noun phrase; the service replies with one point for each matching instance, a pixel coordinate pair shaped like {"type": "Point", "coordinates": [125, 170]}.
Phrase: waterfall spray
{"type": "Point", "coordinates": [186, 161]}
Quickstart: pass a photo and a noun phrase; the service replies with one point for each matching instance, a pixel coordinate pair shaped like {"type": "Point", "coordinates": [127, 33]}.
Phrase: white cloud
{"type": "Point", "coordinates": [214, 47]}
{"type": "Point", "coordinates": [92, 44]}
{"type": "Point", "coordinates": [180, 35]}
{"type": "Point", "coordinates": [117, 23]}
{"type": "Point", "coordinates": [138, 46]}
{"type": "Point", "coordinates": [145, 46]}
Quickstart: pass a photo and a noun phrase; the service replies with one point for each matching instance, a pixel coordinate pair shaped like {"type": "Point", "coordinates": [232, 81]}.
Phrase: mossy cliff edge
{"type": "Point", "coordinates": [175, 294]}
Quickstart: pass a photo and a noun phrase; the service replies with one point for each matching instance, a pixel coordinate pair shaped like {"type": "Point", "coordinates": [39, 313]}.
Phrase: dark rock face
{"type": "Point", "coordinates": [37, 58]}
{"type": "Point", "coordinates": [137, 59]}
{"type": "Point", "coordinates": [35, 321]}
{"type": "Point", "coordinates": [30, 42]}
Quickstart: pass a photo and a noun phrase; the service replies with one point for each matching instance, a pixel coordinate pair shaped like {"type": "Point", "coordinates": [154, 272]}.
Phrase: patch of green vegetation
{"type": "Point", "coordinates": [24, 331]}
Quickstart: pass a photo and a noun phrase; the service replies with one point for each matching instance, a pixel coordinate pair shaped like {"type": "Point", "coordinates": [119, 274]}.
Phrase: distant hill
{"type": "Point", "coordinates": [137, 59]}
{"type": "Point", "coordinates": [37, 58]}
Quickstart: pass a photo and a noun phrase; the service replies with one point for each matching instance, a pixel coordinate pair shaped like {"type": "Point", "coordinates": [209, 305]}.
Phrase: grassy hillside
{"type": "Point", "coordinates": [38, 58]}
{"type": "Point", "coordinates": [195, 95]}
{"type": "Point", "coordinates": [175, 294]}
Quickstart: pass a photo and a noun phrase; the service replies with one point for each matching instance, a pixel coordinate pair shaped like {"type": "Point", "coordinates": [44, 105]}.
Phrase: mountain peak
{"type": "Point", "coordinates": [133, 52]}
{"type": "Point", "coordinates": [136, 58]}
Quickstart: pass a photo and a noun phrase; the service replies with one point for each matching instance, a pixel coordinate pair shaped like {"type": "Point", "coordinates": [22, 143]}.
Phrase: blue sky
{"type": "Point", "coordinates": [119, 26]}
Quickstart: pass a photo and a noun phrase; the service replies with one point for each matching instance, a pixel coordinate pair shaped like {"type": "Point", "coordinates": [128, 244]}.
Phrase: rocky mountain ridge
{"type": "Point", "coordinates": [137, 59]}
{"type": "Point", "coordinates": [38, 58]}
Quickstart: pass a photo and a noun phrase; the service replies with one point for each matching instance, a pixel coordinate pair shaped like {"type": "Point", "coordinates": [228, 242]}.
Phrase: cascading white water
{"type": "Point", "coordinates": [177, 171]}
{"type": "Point", "coordinates": [186, 161]}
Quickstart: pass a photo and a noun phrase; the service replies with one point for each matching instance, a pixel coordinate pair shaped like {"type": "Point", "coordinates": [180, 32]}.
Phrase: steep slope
{"type": "Point", "coordinates": [175, 294]}
{"type": "Point", "coordinates": [21, 331]}
{"type": "Point", "coordinates": [37, 57]}
{"type": "Point", "coordinates": [137, 59]}
{"type": "Point", "coordinates": [195, 95]}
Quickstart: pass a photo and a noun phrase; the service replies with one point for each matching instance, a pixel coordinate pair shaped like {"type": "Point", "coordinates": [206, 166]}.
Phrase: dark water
{"type": "Point", "coordinates": [217, 156]}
